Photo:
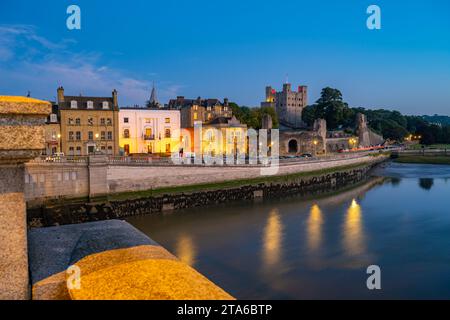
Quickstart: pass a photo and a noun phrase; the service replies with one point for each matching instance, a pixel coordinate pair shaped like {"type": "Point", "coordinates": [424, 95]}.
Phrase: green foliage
{"type": "Point", "coordinates": [331, 107]}
{"type": "Point", "coordinates": [252, 117]}
{"type": "Point", "coordinates": [390, 124]}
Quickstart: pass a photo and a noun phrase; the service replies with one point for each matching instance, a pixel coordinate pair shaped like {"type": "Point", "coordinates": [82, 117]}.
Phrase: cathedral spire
{"type": "Point", "coordinates": [153, 98]}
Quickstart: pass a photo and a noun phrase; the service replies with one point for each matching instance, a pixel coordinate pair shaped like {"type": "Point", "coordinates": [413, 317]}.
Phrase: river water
{"type": "Point", "coordinates": [321, 248]}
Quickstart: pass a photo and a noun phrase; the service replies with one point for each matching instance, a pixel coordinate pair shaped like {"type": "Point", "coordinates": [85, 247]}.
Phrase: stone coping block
{"type": "Point", "coordinates": [115, 261]}
{"type": "Point", "coordinates": [22, 123]}
{"type": "Point", "coordinates": [14, 105]}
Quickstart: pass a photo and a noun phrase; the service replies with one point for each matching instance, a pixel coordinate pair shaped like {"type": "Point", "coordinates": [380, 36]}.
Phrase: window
{"type": "Point", "coordinates": [225, 108]}
{"type": "Point", "coordinates": [78, 135]}
{"type": "Point", "coordinates": [167, 133]}
{"type": "Point", "coordinates": [71, 152]}
{"type": "Point", "coordinates": [90, 105]}
{"type": "Point", "coordinates": [110, 135]}
{"type": "Point", "coordinates": [109, 122]}
{"type": "Point", "coordinates": [110, 150]}
{"type": "Point", "coordinates": [78, 153]}
{"type": "Point", "coordinates": [78, 121]}
{"type": "Point", "coordinates": [105, 105]}
{"type": "Point", "coordinates": [74, 173]}
{"type": "Point", "coordinates": [53, 118]}
{"type": "Point", "coordinates": [70, 135]}
{"type": "Point", "coordinates": [71, 122]}
{"type": "Point", "coordinates": [209, 108]}
{"type": "Point", "coordinates": [90, 135]}
{"type": "Point", "coordinates": [90, 121]}
{"type": "Point", "coordinates": [195, 116]}
{"type": "Point", "coordinates": [73, 104]}
{"type": "Point", "coordinates": [126, 120]}
{"type": "Point", "coordinates": [167, 120]}
{"type": "Point", "coordinates": [103, 135]}
{"type": "Point", "coordinates": [102, 121]}
{"type": "Point", "coordinates": [126, 133]}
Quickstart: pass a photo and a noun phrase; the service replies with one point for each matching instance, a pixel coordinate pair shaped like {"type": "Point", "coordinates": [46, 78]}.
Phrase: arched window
{"type": "Point", "coordinates": [293, 146]}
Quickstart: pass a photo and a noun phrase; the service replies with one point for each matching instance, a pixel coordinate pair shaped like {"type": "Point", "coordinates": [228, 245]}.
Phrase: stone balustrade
{"type": "Point", "coordinates": [21, 139]}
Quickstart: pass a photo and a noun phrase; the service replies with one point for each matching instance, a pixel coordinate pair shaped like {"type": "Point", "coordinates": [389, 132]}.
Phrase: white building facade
{"type": "Point", "coordinates": [149, 131]}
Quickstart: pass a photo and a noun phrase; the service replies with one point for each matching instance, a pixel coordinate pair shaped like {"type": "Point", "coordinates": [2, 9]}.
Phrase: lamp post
{"type": "Point", "coordinates": [59, 143]}
{"type": "Point", "coordinates": [315, 142]}
{"type": "Point", "coordinates": [96, 142]}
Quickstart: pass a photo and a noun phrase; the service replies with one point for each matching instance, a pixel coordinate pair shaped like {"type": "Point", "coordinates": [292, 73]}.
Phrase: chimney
{"type": "Point", "coordinates": [60, 95]}
{"type": "Point", "coordinates": [225, 102]}
{"type": "Point", "coordinates": [115, 100]}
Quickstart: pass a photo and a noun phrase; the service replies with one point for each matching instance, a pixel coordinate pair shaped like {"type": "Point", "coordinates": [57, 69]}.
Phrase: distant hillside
{"type": "Point", "coordinates": [437, 119]}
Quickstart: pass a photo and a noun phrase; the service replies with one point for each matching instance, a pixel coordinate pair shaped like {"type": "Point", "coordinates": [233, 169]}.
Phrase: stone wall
{"type": "Point", "coordinates": [85, 212]}
{"type": "Point", "coordinates": [50, 181]}
{"type": "Point", "coordinates": [138, 178]}
{"type": "Point", "coordinates": [21, 139]}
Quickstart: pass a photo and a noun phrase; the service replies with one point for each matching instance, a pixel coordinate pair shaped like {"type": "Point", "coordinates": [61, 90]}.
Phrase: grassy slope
{"type": "Point", "coordinates": [424, 159]}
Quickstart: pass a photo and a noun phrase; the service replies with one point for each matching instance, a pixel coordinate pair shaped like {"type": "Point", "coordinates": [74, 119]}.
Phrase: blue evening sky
{"type": "Point", "coordinates": [231, 48]}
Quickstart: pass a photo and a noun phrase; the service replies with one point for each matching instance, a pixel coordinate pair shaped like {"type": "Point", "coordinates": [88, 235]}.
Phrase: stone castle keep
{"type": "Point", "coordinates": [297, 139]}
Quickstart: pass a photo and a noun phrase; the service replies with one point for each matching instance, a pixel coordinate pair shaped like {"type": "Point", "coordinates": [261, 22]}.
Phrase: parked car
{"type": "Point", "coordinates": [306, 155]}
{"type": "Point", "coordinates": [55, 157]}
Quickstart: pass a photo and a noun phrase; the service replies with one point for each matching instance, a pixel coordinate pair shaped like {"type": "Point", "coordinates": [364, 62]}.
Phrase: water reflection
{"type": "Point", "coordinates": [426, 183]}
{"type": "Point", "coordinates": [186, 250]}
{"type": "Point", "coordinates": [273, 233]}
{"type": "Point", "coordinates": [314, 230]}
{"type": "Point", "coordinates": [353, 231]}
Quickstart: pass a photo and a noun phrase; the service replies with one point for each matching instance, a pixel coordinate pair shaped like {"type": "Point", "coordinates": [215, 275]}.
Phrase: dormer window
{"type": "Point", "coordinates": [105, 105]}
{"type": "Point", "coordinates": [53, 118]}
{"type": "Point", "coordinates": [90, 105]}
{"type": "Point", "coordinates": [73, 104]}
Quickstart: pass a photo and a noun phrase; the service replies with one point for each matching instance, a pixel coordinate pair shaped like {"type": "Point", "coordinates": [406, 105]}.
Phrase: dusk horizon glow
{"type": "Point", "coordinates": [233, 50]}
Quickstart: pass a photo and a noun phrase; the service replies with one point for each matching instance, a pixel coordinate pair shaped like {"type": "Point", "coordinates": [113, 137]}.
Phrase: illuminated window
{"type": "Point", "coordinates": [126, 133]}
{"type": "Point", "coordinates": [195, 116]}
{"type": "Point", "coordinates": [167, 133]}
{"type": "Point", "coordinates": [167, 120]}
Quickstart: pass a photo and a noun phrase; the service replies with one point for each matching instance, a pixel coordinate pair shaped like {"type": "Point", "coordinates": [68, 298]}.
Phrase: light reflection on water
{"type": "Point", "coordinates": [186, 250]}
{"type": "Point", "coordinates": [296, 249]}
{"type": "Point", "coordinates": [315, 222]}
{"type": "Point", "coordinates": [353, 233]}
{"type": "Point", "coordinates": [273, 233]}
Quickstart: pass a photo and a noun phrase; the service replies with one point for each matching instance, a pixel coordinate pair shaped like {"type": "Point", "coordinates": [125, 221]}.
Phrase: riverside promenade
{"type": "Point", "coordinates": [90, 261]}
{"type": "Point", "coordinates": [110, 259]}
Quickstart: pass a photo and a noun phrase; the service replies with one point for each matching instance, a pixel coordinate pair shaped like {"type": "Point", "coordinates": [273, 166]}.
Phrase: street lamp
{"type": "Point", "coordinates": [59, 143]}
{"type": "Point", "coordinates": [315, 142]}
